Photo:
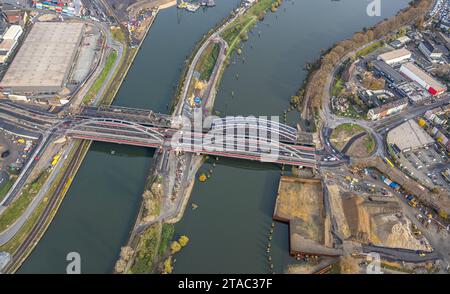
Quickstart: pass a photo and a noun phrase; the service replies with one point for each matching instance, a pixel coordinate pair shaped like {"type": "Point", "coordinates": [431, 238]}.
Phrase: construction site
{"type": "Point", "coordinates": [373, 221]}
{"type": "Point", "coordinates": [300, 203]}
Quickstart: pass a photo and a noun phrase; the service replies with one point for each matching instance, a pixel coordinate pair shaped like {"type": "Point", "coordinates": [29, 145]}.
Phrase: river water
{"type": "Point", "coordinates": [229, 229]}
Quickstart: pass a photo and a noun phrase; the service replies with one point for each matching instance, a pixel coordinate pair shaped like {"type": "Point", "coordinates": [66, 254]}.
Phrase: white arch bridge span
{"type": "Point", "coordinates": [249, 138]}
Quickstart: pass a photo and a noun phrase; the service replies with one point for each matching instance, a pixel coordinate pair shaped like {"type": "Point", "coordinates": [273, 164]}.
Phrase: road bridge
{"type": "Point", "coordinates": [250, 138]}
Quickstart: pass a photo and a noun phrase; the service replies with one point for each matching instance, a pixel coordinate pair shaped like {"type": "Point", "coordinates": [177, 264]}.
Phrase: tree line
{"type": "Point", "coordinates": [316, 81]}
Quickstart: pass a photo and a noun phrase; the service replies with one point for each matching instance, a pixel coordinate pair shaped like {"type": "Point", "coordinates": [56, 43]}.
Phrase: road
{"type": "Point", "coordinates": [49, 135]}
{"type": "Point", "coordinates": [19, 255]}
{"type": "Point", "coordinates": [6, 235]}
{"type": "Point", "coordinates": [399, 254]}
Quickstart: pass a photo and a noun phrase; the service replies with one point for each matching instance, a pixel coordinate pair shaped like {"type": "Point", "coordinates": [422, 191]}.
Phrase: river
{"type": "Point", "coordinates": [228, 231]}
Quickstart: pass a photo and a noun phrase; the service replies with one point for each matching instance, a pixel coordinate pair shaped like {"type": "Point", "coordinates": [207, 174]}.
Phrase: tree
{"type": "Point", "coordinates": [420, 22]}
{"type": "Point", "coordinates": [183, 240]}
{"type": "Point", "coordinates": [168, 268]}
{"type": "Point", "coordinates": [175, 247]}
{"type": "Point", "coordinates": [126, 252]}
{"type": "Point", "coordinates": [120, 266]}
{"type": "Point", "coordinates": [295, 100]}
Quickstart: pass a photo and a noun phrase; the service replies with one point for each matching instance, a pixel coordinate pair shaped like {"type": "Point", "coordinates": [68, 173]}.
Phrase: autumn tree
{"type": "Point", "coordinates": [175, 247]}
{"type": "Point", "coordinates": [120, 266]}
{"type": "Point", "coordinates": [183, 240]}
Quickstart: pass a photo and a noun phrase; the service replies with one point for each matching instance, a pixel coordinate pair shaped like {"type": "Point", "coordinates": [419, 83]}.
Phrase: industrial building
{"type": "Point", "coordinates": [422, 78]}
{"type": "Point", "coordinates": [383, 69]}
{"type": "Point", "coordinates": [413, 91]}
{"type": "Point", "coordinates": [395, 56]}
{"type": "Point", "coordinates": [430, 50]}
{"type": "Point", "coordinates": [45, 59]}
{"type": "Point", "coordinates": [387, 109]}
{"type": "Point", "coordinates": [409, 136]}
{"type": "Point", "coordinates": [9, 42]}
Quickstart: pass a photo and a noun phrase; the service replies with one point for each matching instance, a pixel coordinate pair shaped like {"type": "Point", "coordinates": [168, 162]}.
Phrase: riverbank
{"type": "Point", "coordinates": [23, 244]}
{"type": "Point", "coordinates": [316, 86]}
{"type": "Point", "coordinates": [198, 61]}
{"type": "Point", "coordinates": [127, 61]}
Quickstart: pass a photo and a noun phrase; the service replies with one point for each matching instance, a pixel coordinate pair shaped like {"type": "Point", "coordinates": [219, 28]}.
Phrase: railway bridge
{"type": "Point", "coordinates": [250, 138]}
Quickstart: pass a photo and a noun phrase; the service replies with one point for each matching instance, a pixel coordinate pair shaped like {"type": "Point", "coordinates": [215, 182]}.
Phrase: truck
{"type": "Point", "coordinates": [56, 159]}
{"type": "Point", "coordinates": [411, 200]}
{"type": "Point", "coordinates": [390, 183]}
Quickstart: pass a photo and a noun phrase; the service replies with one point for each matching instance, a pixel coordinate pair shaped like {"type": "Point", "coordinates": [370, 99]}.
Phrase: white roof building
{"type": "Point", "coordinates": [395, 56]}
{"type": "Point", "coordinates": [13, 33]}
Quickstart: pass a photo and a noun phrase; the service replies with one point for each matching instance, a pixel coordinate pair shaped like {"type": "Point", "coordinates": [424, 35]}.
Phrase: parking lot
{"type": "Point", "coordinates": [15, 152]}
{"type": "Point", "coordinates": [426, 165]}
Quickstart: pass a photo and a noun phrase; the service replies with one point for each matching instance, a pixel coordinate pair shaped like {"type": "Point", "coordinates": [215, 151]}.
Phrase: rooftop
{"type": "Point", "coordinates": [424, 76]}
{"type": "Point", "coordinates": [399, 53]}
{"type": "Point", "coordinates": [45, 58]}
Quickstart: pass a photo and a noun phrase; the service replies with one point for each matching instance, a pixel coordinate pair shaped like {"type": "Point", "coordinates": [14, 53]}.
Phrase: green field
{"type": "Point", "coordinates": [166, 238]}
{"type": "Point", "coordinates": [101, 79]}
{"type": "Point", "coordinates": [369, 49]}
{"type": "Point", "coordinates": [5, 188]}
{"type": "Point", "coordinates": [338, 87]}
{"type": "Point", "coordinates": [238, 29]}
{"type": "Point", "coordinates": [208, 61]}
{"type": "Point", "coordinates": [147, 250]}
{"type": "Point", "coordinates": [369, 143]}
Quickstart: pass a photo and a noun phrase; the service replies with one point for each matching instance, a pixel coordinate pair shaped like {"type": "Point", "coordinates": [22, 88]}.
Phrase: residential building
{"type": "Point", "coordinates": [387, 109]}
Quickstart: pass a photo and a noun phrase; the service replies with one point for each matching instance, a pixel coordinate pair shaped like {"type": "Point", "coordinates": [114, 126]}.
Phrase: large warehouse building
{"type": "Point", "coordinates": [395, 56]}
{"type": "Point", "coordinates": [43, 63]}
{"type": "Point", "coordinates": [422, 78]}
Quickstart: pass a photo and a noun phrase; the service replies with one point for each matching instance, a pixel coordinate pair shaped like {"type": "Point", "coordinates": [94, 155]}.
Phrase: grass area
{"type": "Point", "coordinates": [22, 234]}
{"type": "Point", "coordinates": [208, 61]}
{"type": "Point", "coordinates": [338, 87]}
{"type": "Point", "coordinates": [370, 49]}
{"type": "Point", "coordinates": [101, 79]}
{"type": "Point", "coordinates": [5, 188]}
{"type": "Point", "coordinates": [147, 250]}
{"type": "Point", "coordinates": [166, 237]}
{"type": "Point", "coordinates": [343, 133]}
{"type": "Point", "coordinates": [348, 129]}
{"type": "Point", "coordinates": [17, 207]}
{"type": "Point", "coordinates": [238, 29]}
{"type": "Point", "coordinates": [119, 34]}
{"type": "Point", "coordinates": [369, 143]}
{"type": "Point", "coordinates": [115, 84]}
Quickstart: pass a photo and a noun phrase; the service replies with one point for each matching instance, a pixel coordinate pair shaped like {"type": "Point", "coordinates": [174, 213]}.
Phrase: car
{"type": "Point", "coordinates": [5, 154]}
